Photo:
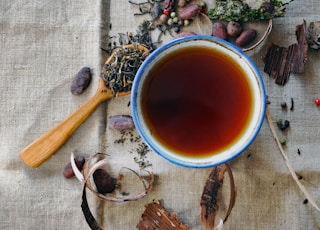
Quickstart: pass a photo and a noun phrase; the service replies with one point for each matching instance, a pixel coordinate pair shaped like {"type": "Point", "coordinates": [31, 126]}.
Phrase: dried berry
{"type": "Point", "coordinates": [234, 29]}
{"type": "Point", "coordinates": [81, 81]}
{"type": "Point", "coordinates": [68, 171]}
{"type": "Point", "coordinates": [121, 122]}
{"type": "Point", "coordinates": [219, 30]}
{"type": "Point", "coordinates": [246, 37]}
{"type": "Point", "coordinates": [103, 181]}
{"type": "Point", "coordinates": [283, 125]}
{"type": "Point", "coordinates": [283, 140]}
{"type": "Point", "coordinates": [190, 12]}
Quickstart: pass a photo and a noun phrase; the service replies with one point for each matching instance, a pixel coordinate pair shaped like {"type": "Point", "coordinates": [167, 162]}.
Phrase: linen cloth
{"type": "Point", "coordinates": [45, 43]}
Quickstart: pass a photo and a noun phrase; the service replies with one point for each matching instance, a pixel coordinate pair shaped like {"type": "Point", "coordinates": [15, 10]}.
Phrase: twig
{"type": "Point", "coordinates": [293, 173]}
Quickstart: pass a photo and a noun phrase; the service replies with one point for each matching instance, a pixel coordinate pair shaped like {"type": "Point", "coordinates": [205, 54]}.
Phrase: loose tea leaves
{"type": "Point", "coordinates": [120, 72]}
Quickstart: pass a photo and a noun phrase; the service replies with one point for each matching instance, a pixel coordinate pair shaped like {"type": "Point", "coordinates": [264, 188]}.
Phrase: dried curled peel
{"type": "Point", "coordinates": [209, 199]}
{"type": "Point", "coordinates": [147, 182]}
{"type": "Point", "coordinates": [85, 178]}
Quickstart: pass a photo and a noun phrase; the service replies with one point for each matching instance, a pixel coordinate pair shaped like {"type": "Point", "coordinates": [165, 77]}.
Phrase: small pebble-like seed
{"type": "Point", "coordinates": [121, 122]}
{"type": "Point", "coordinates": [81, 81]}
{"type": "Point", "coordinates": [103, 181]}
{"type": "Point", "coordinates": [68, 171]}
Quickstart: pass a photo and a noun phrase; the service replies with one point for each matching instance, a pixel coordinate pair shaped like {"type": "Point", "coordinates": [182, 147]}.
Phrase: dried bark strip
{"type": "Point", "coordinates": [209, 202]}
{"type": "Point", "coordinates": [157, 217]}
{"type": "Point", "coordinates": [280, 62]}
{"type": "Point", "coordinates": [93, 224]}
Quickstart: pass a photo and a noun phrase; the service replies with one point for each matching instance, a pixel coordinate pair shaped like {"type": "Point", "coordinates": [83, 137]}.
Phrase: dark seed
{"type": "Point", "coordinates": [68, 171]}
{"type": "Point", "coordinates": [103, 181]}
{"type": "Point", "coordinates": [81, 81]}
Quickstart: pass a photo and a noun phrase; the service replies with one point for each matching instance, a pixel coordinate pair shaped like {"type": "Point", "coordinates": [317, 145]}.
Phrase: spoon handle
{"type": "Point", "coordinates": [48, 143]}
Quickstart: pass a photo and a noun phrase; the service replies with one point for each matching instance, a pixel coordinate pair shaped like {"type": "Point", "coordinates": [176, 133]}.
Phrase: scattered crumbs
{"type": "Point", "coordinates": [292, 104]}
{"type": "Point", "coordinates": [274, 183]}
{"type": "Point", "coordinates": [249, 155]}
{"type": "Point", "coordinates": [140, 151]}
{"type": "Point", "coordinates": [298, 151]}
{"type": "Point", "coordinates": [305, 201]}
{"type": "Point", "coordinates": [142, 160]}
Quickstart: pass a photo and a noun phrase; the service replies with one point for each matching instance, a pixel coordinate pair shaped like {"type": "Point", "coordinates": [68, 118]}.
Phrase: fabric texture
{"type": "Point", "coordinates": [45, 43]}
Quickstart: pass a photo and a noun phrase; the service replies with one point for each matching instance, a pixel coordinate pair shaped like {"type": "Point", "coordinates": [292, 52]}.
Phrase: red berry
{"type": "Point", "coordinates": [166, 12]}
{"type": "Point", "coordinates": [317, 101]}
{"type": "Point", "coordinates": [203, 11]}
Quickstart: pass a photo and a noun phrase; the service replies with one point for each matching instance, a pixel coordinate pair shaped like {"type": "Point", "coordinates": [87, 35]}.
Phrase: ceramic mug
{"type": "Point", "coordinates": [198, 101]}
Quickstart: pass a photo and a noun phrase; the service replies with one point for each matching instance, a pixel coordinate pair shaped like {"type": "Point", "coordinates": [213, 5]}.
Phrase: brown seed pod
{"type": "Point", "coordinates": [190, 12]}
{"type": "Point", "coordinates": [246, 37]}
{"type": "Point", "coordinates": [68, 171]}
{"type": "Point", "coordinates": [219, 30]}
{"type": "Point", "coordinates": [234, 29]}
{"type": "Point", "coordinates": [121, 122]}
{"type": "Point", "coordinates": [103, 181]}
{"type": "Point", "coordinates": [81, 81]}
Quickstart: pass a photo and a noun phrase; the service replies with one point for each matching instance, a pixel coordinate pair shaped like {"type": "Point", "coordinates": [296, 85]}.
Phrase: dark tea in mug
{"type": "Point", "coordinates": [197, 101]}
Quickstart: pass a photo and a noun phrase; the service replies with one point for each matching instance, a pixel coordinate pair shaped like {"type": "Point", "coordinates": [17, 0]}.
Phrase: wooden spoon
{"type": "Point", "coordinates": [47, 144]}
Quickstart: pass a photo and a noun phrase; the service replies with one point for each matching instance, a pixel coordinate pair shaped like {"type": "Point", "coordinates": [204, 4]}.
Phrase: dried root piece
{"type": "Point", "coordinates": [280, 62]}
{"type": "Point", "coordinates": [157, 217]}
{"type": "Point", "coordinates": [209, 202]}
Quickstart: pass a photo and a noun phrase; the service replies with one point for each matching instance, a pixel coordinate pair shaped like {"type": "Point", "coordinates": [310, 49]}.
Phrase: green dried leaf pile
{"type": "Point", "coordinates": [236, 10]}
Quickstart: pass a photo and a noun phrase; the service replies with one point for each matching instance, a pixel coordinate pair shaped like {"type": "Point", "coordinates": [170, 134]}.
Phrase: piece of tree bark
{"type": "Point", "coordinates": [156, 217]}
{"type": "Point", "coordinates": [280, 62]}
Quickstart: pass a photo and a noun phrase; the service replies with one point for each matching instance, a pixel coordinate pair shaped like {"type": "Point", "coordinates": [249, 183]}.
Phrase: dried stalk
{"type": "Point", "coordinates": [292, 171]}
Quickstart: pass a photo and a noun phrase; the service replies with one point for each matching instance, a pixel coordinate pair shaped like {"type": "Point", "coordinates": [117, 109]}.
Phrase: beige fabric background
{"type": "Point", "coordinates": [44, 43]}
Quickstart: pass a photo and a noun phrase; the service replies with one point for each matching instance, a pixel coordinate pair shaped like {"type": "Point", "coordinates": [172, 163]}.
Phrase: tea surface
{"type": "Point", "coordinates": [197, 102]}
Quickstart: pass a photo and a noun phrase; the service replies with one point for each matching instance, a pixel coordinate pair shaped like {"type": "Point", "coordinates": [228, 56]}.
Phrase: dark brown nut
{"type": "Point", "coordinates": [81, 81]}
{"type": "Point", "coordinates": [184, 34]}
{"type": "Point", "coordinates": [121, 122]}
{"type": "Point", "coordinates": [246, 37]}
{"type": "Point", "coordinates": [68, 171]}
{"type": "Point", "coordinates": [234, 29]}
{"type": "Point", "coordinates": [190, 12]}
{"type": "Point", "coordinates": [103, 181]}
{"type": "Point", "coordinates": [219, 30]}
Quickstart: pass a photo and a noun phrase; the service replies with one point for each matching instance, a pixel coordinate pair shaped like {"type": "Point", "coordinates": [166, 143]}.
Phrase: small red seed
{"type": "Point", "coordinates": [317, 101]}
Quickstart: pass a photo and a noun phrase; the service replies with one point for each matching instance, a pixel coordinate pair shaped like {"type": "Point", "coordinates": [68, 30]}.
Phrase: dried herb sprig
{"type": "Point", "coordinates": [236, 10]}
